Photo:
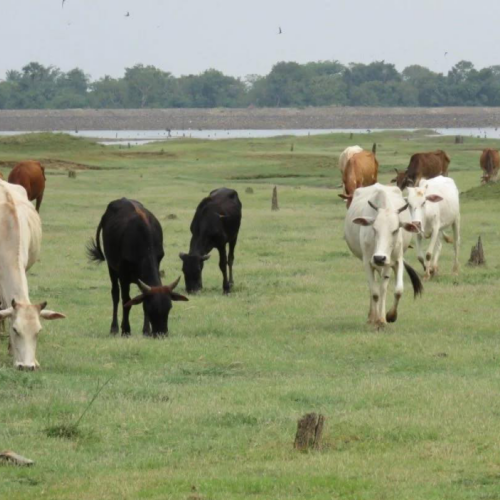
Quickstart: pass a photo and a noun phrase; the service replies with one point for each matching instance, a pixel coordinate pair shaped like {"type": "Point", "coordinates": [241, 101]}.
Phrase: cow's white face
{"type": "Point", "coordinates": [386, 233]}
{"type": "Point", "coordinates": [417, 198]}
{"type": "Point", "coordinates": [24, 329]}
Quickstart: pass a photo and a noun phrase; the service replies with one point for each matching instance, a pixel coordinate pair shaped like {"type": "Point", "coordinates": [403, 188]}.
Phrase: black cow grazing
{"type": "Point", "coordinates": [133, 247]}
{"type": "Point", "coordinates": [216, 223]}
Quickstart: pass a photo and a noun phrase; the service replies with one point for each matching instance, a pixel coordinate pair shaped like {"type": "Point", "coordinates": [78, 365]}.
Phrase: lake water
{"type": "Point", "coordinates": [138, 137]}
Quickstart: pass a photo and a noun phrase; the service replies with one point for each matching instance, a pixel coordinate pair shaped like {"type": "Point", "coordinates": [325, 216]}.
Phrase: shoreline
{"type": "Point", "coordinates": [247, 119]}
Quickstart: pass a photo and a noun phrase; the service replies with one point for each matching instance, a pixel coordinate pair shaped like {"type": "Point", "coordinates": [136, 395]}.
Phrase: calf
{"type": "Point", "coordinates": [490, 165]}
{"type": "Point", "coordinates": [434, 206]}
{"type": "Point", "coordinates": [215, 224]}
{"type": "Point", "coordinates": [361, 171]}
{"type": "Point", "coordinates": [20, 240]}
{"type": "Point", "coordinates": [423, 166]}
{"type": "Point", "coordinates": [378, 231]}
{"type": "Point", "coordinates": [31, 176]}
{"type": "Point", "coordinates": [133, 247]}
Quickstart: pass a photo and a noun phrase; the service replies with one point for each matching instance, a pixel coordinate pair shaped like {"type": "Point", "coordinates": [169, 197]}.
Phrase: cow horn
{"type": "Point", "coordinates": [144, 288]}
{"type": "Point", "coordinates": [402, 209]}
{"type": "Point", "coordinates": [172, 285]}
{"type": "Point", "coordinates": [397, 172]}
{"type": "Point", "coordinates": [373, 206]}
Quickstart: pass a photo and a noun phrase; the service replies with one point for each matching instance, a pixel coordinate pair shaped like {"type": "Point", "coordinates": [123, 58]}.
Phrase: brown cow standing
{"type": "Point", "coordinates": [361, 171]}
{"type": "Point", "coordinates": [490, 164]}
{"type": "Point", "coordinates": [31, 176]}
{"type": "Point", "coordinates": [423, 166]}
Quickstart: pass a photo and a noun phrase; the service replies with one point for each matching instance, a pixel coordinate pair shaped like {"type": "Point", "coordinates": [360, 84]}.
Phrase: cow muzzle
{"type": "Point", "coordinates": [379, 260]}
{"type": "Point", "coordinates": [26, 367]}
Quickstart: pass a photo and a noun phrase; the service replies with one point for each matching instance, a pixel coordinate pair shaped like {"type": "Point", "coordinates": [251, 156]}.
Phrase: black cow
{"type": "Point", "coordinates": [133, 247]}
{"type": "Point", "coordinates": [215, 224]}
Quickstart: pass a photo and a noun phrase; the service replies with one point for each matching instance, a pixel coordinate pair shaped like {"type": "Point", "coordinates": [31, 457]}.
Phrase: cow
{"type": "Point", "coordinates": [215, 224]}
{"type": "Point", "coordinates": [346, 155]}
{"type": "Point", "coordinates": [422, 166]}
{"type": "Point", "coordinates": [434, 206]}
{"type": "Point", "coordinates": [490, 165]}
{"type": "Point", "coordinates": [378, 231]}
{"type": "Point", "coordinates": [31, 176]}
{"type": "Point", "coordinates": [361, 171]}
{"type": "Point", "coordinates": [20, 240]}
{"type": "Point", "coordinates": [133, 248]}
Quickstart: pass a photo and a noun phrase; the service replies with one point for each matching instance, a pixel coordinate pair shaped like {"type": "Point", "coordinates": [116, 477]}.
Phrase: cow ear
{"type": "Point", "coordinates": [434, 198]}
{"type": "Point", "coordinates": [408, 226]}
{"type": "Point", "coordinates": [136, 300]}
{"type": "Point", "coordinates": [364, 221]}
{"type": "Point", "coordinates": [344, 196]}
{"type": "Point", "coordinates": [182, 256]}
{"type": "Point", "coordinates": [393, 181]}
{"type": "Point", "coordinates": [48, 314]}
{"type": "Point", "coordinates": [6, 313]}
{"type": "Point", "coordinates": [205, 257]}
{"type": "Point", "coordinates": [178, 297]}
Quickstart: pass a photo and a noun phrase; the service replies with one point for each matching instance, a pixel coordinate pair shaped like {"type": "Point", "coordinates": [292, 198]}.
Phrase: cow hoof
{"type": "Point", "coordinates": [380, 324]}
{"type": "Point", "coordinates": [113, 330]}
{"type": "Point", "coordinates": [391, 316]}
{"type": "Point", "coordinates": [125, 334]}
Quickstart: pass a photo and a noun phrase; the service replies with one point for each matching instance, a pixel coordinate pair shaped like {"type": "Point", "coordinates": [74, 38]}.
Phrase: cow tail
{"type": "Point", "coordinates": [489, 162]}
{"type": "Point", "coordinates": [415, 280]}
{"type": "Point", "coordinates": [374, 148]}
{"type": "Point", "coordinates": [94, 251]}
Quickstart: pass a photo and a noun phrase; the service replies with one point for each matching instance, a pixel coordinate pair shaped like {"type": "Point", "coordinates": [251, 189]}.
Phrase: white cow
{"type": "Point", "coordinates": [378, 231]}
{"type": "Point", "coordinates": [20, 239]}
{"type": "Point", "coordinates": [435, 206]}
{"type": "Point", "coordinates": [346, 155]}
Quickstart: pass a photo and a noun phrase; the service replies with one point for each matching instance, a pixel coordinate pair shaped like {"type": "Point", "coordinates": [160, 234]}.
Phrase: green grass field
{"type": "Point", "coordinates": [413, 411]}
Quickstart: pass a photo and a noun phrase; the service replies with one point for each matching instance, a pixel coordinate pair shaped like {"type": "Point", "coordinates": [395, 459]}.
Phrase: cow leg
{"type": "Point", "coordinates": [385, 276]}
{"type": "Point", "coordinates": [125, 286]}
{"type": "Point", "coordinates": [430, 252]}
{"type": "Point", "coordinates": [39, 202]}
{"type": "Point", "coordinates": [146, 327]}
{"type": "Point", "coordinates": [230, 260]}
{"type": "Point", "coordinates": [374, 293]}
{"type": "Point", "coordinates": [392, 315]}
{"type": "Point", "coordinates": [115, 295]}
{"type": "Point", "coordinates": [456, 243]}
{"type": "Point", "coordinates": [435, 259]}
{"type": "Point", "coordinates": [420, 252]}
{"type": "Point", "coordinates": [223, 268]}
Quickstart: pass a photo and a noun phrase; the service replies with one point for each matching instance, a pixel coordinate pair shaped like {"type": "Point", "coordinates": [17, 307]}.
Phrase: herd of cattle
{"type": "Point", "coordinates": [379, 226]}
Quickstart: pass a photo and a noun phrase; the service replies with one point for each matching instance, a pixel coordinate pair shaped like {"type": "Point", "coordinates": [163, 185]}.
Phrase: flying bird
{"type": "Point", "coordinates": [63, 4]}
{"type": "Point", "coordinates": [280, 32]}
{"type": "Point", "coordinates": [127, 14]}
{"type": "Point", "coordinates": [445, 54]}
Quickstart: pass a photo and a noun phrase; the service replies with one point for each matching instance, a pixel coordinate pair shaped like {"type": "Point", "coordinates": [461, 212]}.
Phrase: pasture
{"type": "Point", "coordinates": [413, 411]}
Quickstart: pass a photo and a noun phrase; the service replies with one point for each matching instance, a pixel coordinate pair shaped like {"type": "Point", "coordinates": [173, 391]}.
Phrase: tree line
{"type": "Point", "coordinates": [289, 84]}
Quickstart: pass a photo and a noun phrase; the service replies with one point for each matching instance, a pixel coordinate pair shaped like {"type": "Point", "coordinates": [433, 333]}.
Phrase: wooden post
{"type": "Point", "coordinates": [309, 432]}
{"type": "Point", "coordinates": [291, 148]}
{"type": "Point", "coordinates": [71, 174]}
{"type": "Point", "coordinates": [274, 203]}
{"type": "Point", "coordinates": [459, 139]}
{"type": "Point", "coordinates": [351, 136]}
{"type": "Point", "coordinates": [477, 254]}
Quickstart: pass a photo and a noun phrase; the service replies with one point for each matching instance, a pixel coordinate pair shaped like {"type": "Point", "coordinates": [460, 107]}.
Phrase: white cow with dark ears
{"type": "Point", "coordinates": [20, 239]}
{"type": "Point", "coordinates": [434, 206]}
{"type": "Point", "coordinates": [378, 231]}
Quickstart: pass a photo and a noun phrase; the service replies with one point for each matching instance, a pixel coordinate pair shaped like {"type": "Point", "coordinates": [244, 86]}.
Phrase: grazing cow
{"type": "Point", "coordinates": [346, 155]}
{"type": "Point", "coordinates": [215, 224]}
{"type": "Point", "coordinates": [361, 171]}
{"type": "Point", "coordinates": [490, 164]}
{"type": "Point", "coordinates": [20, 240]}
{"type": "Point", "coordinates": [133, 247]}
{"type": "Point", "coordinates": [422, 166]}
{"type": "Point", "coordinates": [378, 231]}
{"type": "Point", "coordinates": [31, 176]}
{"type": "Point", "coordinates": [434, 206]}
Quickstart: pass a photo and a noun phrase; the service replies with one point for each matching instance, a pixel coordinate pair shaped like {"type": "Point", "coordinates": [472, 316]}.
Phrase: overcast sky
{"type": "Point", "coordinates": [240, 37]}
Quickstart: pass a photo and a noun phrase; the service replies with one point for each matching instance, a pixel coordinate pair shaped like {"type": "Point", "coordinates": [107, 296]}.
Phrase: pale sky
{"type": "Point", "coordinates": [240, 37]}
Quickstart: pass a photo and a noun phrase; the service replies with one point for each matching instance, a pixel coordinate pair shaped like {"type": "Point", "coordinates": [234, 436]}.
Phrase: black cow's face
{"type": "Point", "coordinates": [192, 267]}
{"type": "Point", "coordinates": [157, 308]}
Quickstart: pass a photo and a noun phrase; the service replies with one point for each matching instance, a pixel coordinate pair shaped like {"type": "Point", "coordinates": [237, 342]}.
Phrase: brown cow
{"type": "Point", "coordinates": [31, 176]}
{"type": "Point", "coordinates": [361, 171]}
{"type": "Point", "coordinates": [490, 164]}
{"type": "Point", "coordinates": [423, 166]}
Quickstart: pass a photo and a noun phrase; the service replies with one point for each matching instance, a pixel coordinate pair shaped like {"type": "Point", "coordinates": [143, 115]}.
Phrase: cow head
{"type": "Point", "coordinates": [157, 302]}
{"type": "Point", "coordinates": [417, 198]}
{"type": "Point", "coordinates": [192, 266]}
{"type": "Point", "coordinates": [401, 179]}
{"type": "Point", "coordinates": [386, 230]}
{"type": "Point", "coordinates": [24, 329]}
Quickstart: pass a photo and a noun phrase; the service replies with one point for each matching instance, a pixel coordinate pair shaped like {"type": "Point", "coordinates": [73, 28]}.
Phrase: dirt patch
{"type": "Point", "coordinates": [261, 118]}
